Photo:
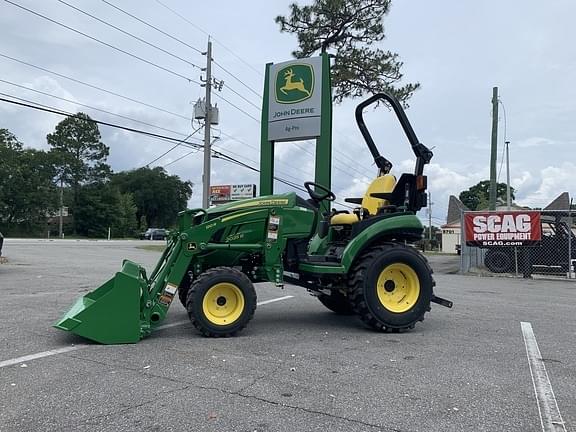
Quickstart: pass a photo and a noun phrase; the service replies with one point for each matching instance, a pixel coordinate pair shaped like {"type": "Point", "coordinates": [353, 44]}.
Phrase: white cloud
{"type": "Point", "coordinates": [553, 180]}
{"type": "Point", "coordinates": [534, 142]}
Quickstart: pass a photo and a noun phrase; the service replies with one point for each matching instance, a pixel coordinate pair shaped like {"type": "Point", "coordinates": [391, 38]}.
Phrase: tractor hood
{"type": "Point", "coordinates": [283, 200]}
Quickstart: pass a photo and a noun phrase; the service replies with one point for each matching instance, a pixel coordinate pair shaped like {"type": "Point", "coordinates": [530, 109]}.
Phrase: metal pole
{"type": "Point", "coordinates": [570, 235]}
{"type": "Point", "coordinates": [208, 112]}
{"type": "Point", "coordinates": [61, 205]}
{"type": "Point", "coordinates": [493, 148]}
{"type": "Point", "coordinates": [508, 200]}
{"type": "Point", "coordinates": [430, 218]}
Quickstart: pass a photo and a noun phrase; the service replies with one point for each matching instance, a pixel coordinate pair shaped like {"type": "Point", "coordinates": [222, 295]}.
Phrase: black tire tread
{"type": "Point", "coordinates": [202, 279]}
{"type": "Point", "coordinates": [355, 286]}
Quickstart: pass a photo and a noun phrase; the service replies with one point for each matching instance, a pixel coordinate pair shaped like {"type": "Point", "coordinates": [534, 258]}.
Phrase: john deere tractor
{"type": "Point", "coordinates": [355, 262]}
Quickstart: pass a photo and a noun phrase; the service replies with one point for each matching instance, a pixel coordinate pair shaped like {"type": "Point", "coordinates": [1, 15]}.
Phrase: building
{"type": "Point", "coordinates": [451, 231]}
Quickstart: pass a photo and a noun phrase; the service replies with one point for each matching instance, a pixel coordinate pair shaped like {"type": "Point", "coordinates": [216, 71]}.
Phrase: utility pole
{"type": "Point", "coordinates": [493, 148]}
{"type": "Point", "coordinates": [508, 200]}
{"type": "Point", "coordinates": [430, 220]}
{"type": "Point", "coordinates": [207, 120]}
{"type": "Point", "coordinates": [61, 205]}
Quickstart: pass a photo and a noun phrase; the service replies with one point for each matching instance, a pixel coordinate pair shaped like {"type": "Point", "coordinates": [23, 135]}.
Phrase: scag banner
{"type": "Point", "coordinates": [511, 228]}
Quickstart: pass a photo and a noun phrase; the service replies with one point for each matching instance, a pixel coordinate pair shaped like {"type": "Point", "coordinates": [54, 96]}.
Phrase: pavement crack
{"type": "Point", "coordinates": [238, 393]}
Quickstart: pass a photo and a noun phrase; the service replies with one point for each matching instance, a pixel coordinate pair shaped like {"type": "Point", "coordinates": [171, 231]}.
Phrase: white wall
{"type": "Point", "coordinates": [450, 238]}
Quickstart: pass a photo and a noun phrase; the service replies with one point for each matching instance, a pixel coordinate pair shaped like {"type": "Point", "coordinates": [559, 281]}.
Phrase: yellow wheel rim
{"type": "Point", "coordinates": [398, 287]}
{"type": "Point", "coordinates": [223, 304]}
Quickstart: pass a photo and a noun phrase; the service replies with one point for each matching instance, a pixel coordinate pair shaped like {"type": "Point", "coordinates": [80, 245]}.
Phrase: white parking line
{"type": "Point", "coordinates": [274, 300]}
{"type": "Point", "coordinates": [49, 353]}
{"type": "Point", "coordinates": [40, 355]}
{"type": "Point", "coordinates": [550, 416]}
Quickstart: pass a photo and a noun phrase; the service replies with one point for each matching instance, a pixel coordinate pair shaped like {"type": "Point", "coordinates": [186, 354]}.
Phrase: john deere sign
{"type": "Point", "coordinates": [294, 83]}
{"type": "Point", "coordinates": [295, 100]}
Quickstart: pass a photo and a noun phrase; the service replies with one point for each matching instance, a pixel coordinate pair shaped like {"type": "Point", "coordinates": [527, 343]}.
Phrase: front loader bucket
{"type": "Point", "coordinates": [111, 313]}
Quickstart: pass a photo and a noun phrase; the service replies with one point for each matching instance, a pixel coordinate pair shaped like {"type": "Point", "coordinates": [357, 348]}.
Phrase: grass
{"type": "Point", "coordinates": [152, 248]}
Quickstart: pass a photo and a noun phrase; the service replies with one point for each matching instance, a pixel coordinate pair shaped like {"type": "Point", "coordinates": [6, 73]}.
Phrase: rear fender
{"type": "Point", "coordinates": [386, 229]}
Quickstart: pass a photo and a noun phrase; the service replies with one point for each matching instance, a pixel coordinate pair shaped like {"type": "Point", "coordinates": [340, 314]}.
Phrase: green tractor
{"type": "Point", "coordinates": [359, 262]}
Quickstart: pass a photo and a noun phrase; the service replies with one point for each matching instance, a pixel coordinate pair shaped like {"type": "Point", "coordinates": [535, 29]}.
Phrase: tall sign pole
{"type": "Point", "coordinates": [297, 105]}
{"type": "Point", "coordinates": [508, 195]}
{"type": "Point", "coordinates": [207, 120]}
{"type": "Point", "coordinates": [493, 149]}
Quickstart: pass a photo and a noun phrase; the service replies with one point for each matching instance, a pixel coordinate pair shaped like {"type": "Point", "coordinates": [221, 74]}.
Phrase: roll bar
{"type": "Point", "coordinates": [423, 153]}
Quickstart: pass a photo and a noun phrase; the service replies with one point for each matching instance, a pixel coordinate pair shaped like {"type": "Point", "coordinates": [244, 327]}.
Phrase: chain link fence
{"type": "Point", "coordinates": [553, 256]}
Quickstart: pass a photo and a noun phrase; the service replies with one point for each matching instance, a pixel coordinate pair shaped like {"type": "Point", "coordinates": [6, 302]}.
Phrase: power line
{"type": "Point", "coordinates": [175, 146]}
{"type": "Point", "coordinates": [130, 34]}
{"type": "Point", "coordinates": [505, 139]}
{"type": "Point", "coordinates": [258, 150]}
{"type": "Point", "coordinates": [174, 38]}
{"type": "Point", "coordinates": [236, 78]}
{"type": "Point", "coordinates": [207, 34]}
{"type": "Point", "coordinates": [41, 107]}
{"type": "Point", "coordinates": [95, 87]}
{"type": "Point", "coordinates": [280, 179]}
{"type": "Point", "coordinates": [253, 161]}
{"type": "Point", "coordinates": [168, 151]}
{"type": "Point", "coordinates": [237, 107]}
{"type": "Point", "coordinates": [91, 107]}
{"type": "Point", "coordinates": [104, 43]}
{"type": "Point", "coordinates": [153, 27]}
{"type": "Point", "coordinates": [305, 150]}
{"type": "Point", "coordinates": [181, 157]}
{"type": "Point", "coordinates": [242, 97]}
{"type": "Point", "coordinates": [240, 163]}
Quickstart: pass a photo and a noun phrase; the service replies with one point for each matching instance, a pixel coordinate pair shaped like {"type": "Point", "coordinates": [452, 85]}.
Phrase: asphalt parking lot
{"type": "Point", "coordinates": [297, 366]}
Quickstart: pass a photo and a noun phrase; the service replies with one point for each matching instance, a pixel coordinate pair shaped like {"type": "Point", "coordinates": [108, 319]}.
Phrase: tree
{"type": "Point", "coordinates": [80, 155]}
{"type": "Point", "coordinates": [27, 192]}
{"type": "Point", "coordinates": [126, 221]}
{"type": "Point", "coordinates": [348, 30]}
{"type": "Point", "coordinates": [10, 149]}
{"type": "Point", "coordinates": [158, 196]}
{"type": "Point", "coordinates": [478, 196]}
{"type": "Point", "coordinates": [97, 210]}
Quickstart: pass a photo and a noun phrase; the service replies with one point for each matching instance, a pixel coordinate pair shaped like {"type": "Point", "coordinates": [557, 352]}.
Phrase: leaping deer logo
{"type": "Point", "coordinates": [293, 85]}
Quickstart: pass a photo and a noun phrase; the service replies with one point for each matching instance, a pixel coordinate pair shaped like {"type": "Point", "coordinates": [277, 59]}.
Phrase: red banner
{"type": "Point", "coordinates": [220, 193]}
{"type": "Point", "coordinates": [502, 228]}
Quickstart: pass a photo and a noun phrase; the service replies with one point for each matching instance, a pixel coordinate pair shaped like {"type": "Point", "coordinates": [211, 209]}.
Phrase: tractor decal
{"type": "Point", "coordinates": [294, 83]}
{"type": "Point", "coordinates": [266, 202]}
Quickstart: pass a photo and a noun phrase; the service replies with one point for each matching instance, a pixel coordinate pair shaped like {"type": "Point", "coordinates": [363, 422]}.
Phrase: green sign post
{"type": "Point", "coordinates": [297, 106]}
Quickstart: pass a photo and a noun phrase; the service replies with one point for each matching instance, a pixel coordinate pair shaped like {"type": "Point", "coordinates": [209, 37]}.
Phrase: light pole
{"type": "Point", "coordinates": [508, 200]}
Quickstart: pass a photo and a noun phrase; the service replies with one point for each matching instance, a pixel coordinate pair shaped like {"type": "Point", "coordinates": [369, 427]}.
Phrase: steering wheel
{"type": "Point", "coordinates": [328, 195]}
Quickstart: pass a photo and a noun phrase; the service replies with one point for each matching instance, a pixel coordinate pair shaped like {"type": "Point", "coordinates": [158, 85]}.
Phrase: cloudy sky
{"type": "Point", "coordinates": [457, 50]}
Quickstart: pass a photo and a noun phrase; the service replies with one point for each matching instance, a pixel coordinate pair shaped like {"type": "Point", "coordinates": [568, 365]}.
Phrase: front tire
{"type": "Point", "coordinates": [391, 287]}
{"type": "Point", "coordinates": [221, 302]}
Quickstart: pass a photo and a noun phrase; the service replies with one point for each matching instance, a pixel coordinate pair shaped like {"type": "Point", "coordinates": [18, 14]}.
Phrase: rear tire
{"type": "Point", "coordinates": [221, 302]}
{"type": "Point", "coordinates": [337, 303]}
{"type": "Point", "coordinates": [499, 261]}
{"type": "Point", "coordinates": [391, 286]}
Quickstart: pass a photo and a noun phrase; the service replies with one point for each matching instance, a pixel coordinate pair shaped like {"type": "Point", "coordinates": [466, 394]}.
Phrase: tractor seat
{"type": "Point", "coordinates": [382, 184]}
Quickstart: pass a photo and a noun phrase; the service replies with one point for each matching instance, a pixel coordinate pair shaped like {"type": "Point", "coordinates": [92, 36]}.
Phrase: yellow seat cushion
{"type": "Point", "coordinates": [343, 219]}
{"type": "Point", "coordinates": [382, 184]}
